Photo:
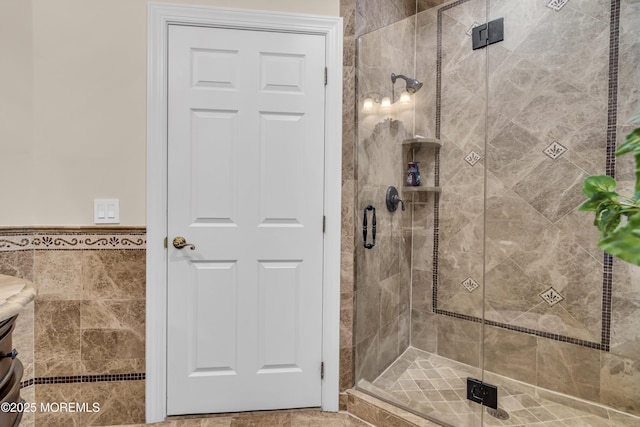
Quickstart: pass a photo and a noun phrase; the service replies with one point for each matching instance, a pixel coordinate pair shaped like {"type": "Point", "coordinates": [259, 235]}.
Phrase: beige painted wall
{"type": "Point", "coordinates": [73, 126]}
{"type": "Point", "coordinates": [16, 108]}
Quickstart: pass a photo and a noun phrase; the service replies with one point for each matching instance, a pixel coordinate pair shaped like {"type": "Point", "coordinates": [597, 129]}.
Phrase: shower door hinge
{"type": "Point", "coordinates": [483, 393]}
{"type": "Point", "coordinates": [489, 33]}
{"type": "Point", "coordinates": [324, 224]}
{"type": "Point", "coordinates": [166, 240]}
{"type": "Point", "coordinates": [321, 370]}
{"type": "Point", "coordinates": [325, 76]}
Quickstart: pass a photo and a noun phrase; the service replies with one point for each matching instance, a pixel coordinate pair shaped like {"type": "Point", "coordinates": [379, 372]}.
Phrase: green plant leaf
{"type": "Point", "coordinates": [637, 187]}
{"type": "Point", "coordinates": [631, 143]}
{"type": "Point", "coordinates": [589, 205]}
{"type": "Point", "coordinates": [600, 201]}
{"type": "Point", "coordinates": [624, 243]}
{"type": "Point", "coordinates": [598, 184]}
{"type": "Point", "coordinates": [609, 221]}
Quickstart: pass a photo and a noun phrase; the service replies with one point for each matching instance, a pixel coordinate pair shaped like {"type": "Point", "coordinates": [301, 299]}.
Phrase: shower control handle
{"type": "Point", "coordinates": [393, 199]}
{"type": "Point", "coordinates": [365, 227]}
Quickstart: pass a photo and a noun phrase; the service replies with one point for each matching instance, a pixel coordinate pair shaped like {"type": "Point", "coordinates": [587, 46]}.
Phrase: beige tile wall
{"type": "Point", "coordinates": [347, 272]}
{"type": "Point", "coordinates": [88, 319]}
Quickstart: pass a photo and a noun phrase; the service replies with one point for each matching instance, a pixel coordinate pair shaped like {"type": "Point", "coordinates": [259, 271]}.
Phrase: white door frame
{"type": "Point", "coordinates": [159, 18]}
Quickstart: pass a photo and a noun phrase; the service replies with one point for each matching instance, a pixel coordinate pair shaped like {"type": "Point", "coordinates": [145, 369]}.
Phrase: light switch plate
{"type": "Point", "coordinates": [106, 211]}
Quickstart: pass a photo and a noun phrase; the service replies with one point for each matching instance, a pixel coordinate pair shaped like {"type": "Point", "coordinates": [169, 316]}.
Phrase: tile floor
{"type": "Point", "coordinates": [293, 418]}
{"type": "Point", "coordinates": [436, 386]}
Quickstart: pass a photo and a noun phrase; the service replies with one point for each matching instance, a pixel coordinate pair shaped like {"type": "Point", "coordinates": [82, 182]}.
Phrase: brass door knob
{"type": "Point", "coordinates": [180, 242]}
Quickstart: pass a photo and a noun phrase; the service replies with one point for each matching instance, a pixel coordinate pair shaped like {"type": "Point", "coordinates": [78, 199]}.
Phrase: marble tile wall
{"type": "Point", "coordinates": [82, 339]}
{"type": "Point", "coordinates": [371, 15]}
{"type": "Point", "coordinates": [347, 271]}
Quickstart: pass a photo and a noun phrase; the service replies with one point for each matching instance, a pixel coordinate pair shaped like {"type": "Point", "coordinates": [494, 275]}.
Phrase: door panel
{"type": "Point", "coordinates": [279, 316]}
{"type": "Point", "coordinates": [245, 161]}
{"type": "Point", "coordinates": [212, 340]}
{"type": "Point", "coordinates": [213, 164]}
{"type": "Point", "coordinates": [281, 133]}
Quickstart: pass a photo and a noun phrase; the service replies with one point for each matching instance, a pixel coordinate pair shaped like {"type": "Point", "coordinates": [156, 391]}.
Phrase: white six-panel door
{"type": "Point", "coordinates": [245, 187]}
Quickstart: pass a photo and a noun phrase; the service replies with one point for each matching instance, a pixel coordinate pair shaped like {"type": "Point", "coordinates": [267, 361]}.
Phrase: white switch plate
{"type": "Point", "coordinates": [106, 211]}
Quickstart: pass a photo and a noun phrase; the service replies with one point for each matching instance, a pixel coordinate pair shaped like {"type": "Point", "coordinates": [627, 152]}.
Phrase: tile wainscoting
{"type": "Point", "coordinates": [83, 338]}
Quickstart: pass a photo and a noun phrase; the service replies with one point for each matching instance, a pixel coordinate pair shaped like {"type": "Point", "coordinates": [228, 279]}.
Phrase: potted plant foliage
{"type": "Point", "coordinates": [617, 216]}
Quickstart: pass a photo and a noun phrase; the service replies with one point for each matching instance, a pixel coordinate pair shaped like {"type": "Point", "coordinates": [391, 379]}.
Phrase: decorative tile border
{"type": "Point", "coordinates": [549, 335]}
{"type": "Point", "coordinates": [607, 278]}
{"type": "Point", "coordinates": [610, 168]}
{"type": "Point", "coordinates": [72, 239]}
{"type": "Point", "coordinates": [83, 379]}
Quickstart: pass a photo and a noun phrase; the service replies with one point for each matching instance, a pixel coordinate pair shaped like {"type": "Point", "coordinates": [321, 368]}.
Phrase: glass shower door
{"type": "Point", "coordinates": [418, 317]}
{"type": "Point", "coordinates": [557, 308]}
{"type": "Point", "coordinates": [457, 285]}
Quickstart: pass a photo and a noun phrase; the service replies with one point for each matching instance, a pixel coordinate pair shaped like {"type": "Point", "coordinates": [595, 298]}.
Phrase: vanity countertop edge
{"type": "Point", "coordinates": [15, 294]}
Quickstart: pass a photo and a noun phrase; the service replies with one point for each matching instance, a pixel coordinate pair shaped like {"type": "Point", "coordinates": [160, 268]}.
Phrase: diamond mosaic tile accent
{"type": "Point", "coordinates": [470, 284]}
{"type": "Point", "coordinates": [470, 30]}
{"type": "Point", "coordinates": [557, 4]}
{"type": "Point", "coordinates": [555, 150]}
{"type": "Point", "coordinates": [472, 158]}
{"type": "Point", "coordinates": [551, 296]}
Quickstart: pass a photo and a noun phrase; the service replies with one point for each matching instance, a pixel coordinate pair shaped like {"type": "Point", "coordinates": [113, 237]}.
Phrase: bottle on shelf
{"type": "Point", "coordinates": [413, 175]}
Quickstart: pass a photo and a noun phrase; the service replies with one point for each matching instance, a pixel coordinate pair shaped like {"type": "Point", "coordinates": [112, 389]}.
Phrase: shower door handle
{"type": "Point", "coordinates": [365, 227]}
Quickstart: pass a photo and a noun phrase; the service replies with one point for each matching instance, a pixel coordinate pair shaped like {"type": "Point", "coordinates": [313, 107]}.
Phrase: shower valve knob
{"type": "Point", "coordinates": [393, 199]}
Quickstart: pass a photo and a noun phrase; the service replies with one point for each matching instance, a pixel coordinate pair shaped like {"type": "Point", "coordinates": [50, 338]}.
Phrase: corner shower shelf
{"type": "Point", "coordinates": [415, 144]}
{"type": "Point", "coordinates": [419, 189]}
{"type": "Point", "coordinates": [418, 143]}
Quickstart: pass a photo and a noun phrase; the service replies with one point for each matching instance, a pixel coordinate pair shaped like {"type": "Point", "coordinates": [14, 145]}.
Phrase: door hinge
{"type": "Point", "coordinates": [488, 33]}
{"type": "Point", "coordinates": [166, 242]}
{"type": "Point", "coordinates": [324, 224]}
{"type": "Point", "coordinates": [325, 76]}
{"type": "Point", "coordinates": [482, 393]}
{"type": "Point", "coordinates": [321, 370]}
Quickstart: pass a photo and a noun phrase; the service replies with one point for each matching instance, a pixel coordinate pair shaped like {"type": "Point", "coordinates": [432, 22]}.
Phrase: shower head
{"type": "Point", "coordinates": [413, 85]}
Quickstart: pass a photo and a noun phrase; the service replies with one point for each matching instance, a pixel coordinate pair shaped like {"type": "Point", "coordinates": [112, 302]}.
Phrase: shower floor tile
{"type": "Point", "coordinates": [436, 387]}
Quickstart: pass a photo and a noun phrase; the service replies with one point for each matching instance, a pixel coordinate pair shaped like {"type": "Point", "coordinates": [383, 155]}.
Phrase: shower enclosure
{"type": "Point", "coordinates": [491, 276]}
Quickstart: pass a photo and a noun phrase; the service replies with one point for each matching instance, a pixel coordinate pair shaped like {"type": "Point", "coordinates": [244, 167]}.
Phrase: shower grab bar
{"type": "Point", "coordinates": [365, 226]}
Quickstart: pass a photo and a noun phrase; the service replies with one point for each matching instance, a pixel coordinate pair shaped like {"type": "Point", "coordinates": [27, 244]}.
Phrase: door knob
{"type": "Point", "coordinates": [180, 242]}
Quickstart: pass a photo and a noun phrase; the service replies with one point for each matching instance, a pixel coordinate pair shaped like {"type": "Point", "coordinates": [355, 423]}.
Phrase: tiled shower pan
{"type": "Point", "coordinates": [434, 386]}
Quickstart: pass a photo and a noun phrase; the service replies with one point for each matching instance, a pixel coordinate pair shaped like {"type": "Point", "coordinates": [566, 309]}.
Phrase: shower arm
{"type": "Point", "coordinates": [412, 85]}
